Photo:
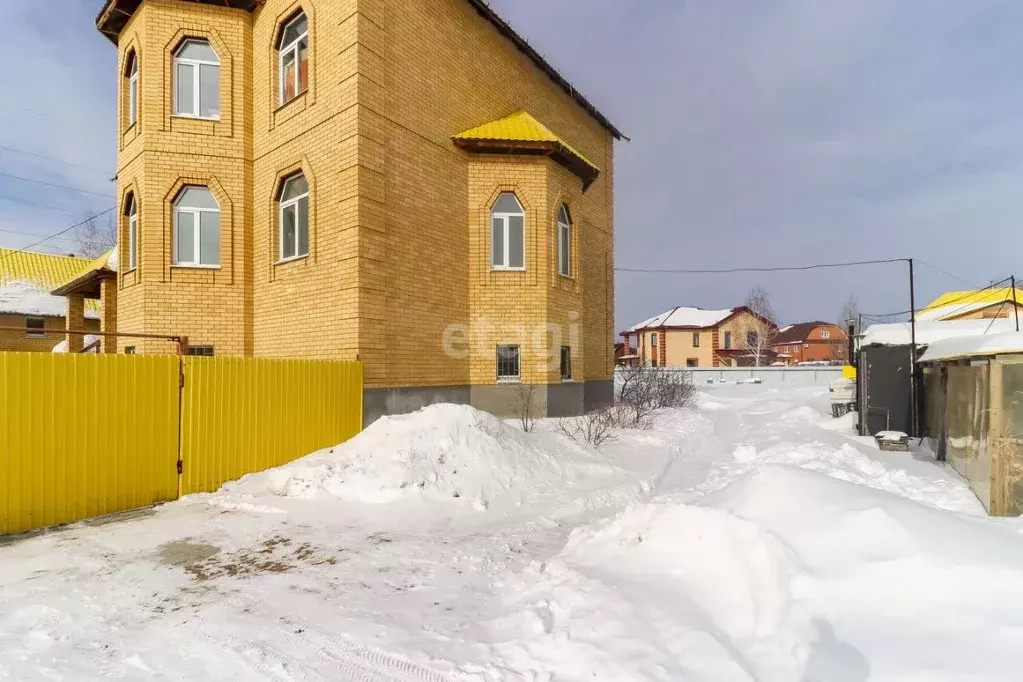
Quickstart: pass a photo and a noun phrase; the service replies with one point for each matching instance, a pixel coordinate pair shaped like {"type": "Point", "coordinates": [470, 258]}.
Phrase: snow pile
{"type": "Point", "coordinates": [440, 452]}
{"type": "Point", "coordinates": [784, 575]}
{"type": "Point", "coordinates": [21, 297]}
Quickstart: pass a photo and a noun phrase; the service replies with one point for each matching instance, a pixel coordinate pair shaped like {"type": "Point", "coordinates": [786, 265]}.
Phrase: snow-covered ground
{"type": "Point", "coordinates": [751, 538]}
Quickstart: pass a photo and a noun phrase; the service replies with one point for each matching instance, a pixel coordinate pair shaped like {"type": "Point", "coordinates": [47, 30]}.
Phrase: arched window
{"type": "Point", "coordinates": [133, 232]}
{"type": "Point", "coordinates": [133, 88]}
{"type": "Point", "coordinates": [196, 228]}
{"type": "Point", "coordinates": [294, 217]}
{"type": "Point", "coordinates": [293, 55]}
{"type": "Point", "coordinates": [564, 242]}
{"type": "Point", "coordinates": [197, 80]}
{"type": "Point", "coordinates": [507, 234]}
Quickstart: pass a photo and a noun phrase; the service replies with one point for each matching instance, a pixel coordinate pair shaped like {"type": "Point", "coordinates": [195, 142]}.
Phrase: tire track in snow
{"type": "Point", "coordinates": [311, 655]}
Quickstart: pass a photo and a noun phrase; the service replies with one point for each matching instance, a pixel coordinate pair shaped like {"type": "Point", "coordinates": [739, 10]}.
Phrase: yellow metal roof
{"type": "Point", "coordinates": [520, 127]}
{"type": "Point", "coordinates": [962, 302]}
{"type": "Point", "coordinates": [100, 265]}
{"type": "Point", "coordinates": [42, 269]}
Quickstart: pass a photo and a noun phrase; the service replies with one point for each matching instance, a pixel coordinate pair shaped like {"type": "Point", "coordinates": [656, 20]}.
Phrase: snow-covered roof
{"type": "Point", "coordinates": [682, 316]}
{"type": "Point", "coordinates": [974, 346]}
{"type": "Point", "coordinates": [27, 278]}
{"type": "Point", "coordinates": [18, 297]}
{"type": "Point", "coordinates": [898, 334]}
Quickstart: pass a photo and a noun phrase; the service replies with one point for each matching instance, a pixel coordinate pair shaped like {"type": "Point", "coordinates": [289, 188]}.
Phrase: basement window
{"type": "Point", "coordinates": [34, 328]}
{"type": "Point", "coordinates": [201, 351]}
{"type": "Point", "coordinates": [507, 363]}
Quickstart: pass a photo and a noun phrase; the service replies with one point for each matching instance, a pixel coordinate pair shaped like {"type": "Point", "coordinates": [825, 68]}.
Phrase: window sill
{"type": "Point", "coordinates": [493, 269]}
{"type": "Point", "coordinates": [568, 381]}
{"type": "Point", "coordinates": [189, 117]}
{"type": "Point", "coordinates": [194, 266]}
{"type": "Point", "coordinates": [569, 277]}
{"type": "Point", "coordinates": [291, 259]}
{"type": "Point", "coordinates": [509, 380]}
{"type": "Point", "coordinates": [284, 105]}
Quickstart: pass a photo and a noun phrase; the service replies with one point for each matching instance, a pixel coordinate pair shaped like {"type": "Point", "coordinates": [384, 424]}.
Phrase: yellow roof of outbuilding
{"type": "Point", "coordinates": [522, 132]}
{"type": "Point", "coordinates": [955, 303]}
{"type": "Point", "coordinates": [44, 269]}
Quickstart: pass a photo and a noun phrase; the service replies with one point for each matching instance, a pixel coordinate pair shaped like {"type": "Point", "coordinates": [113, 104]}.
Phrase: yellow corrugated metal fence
{"type": "Point", "coordinates": [242, 415]}
{"type": "Point", "coordinates": [87, 435]}
{"type": "Point", "coordinates": [84, 435]}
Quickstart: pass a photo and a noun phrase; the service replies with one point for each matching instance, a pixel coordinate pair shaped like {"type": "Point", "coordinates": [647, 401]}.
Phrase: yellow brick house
{"type": "Point", "coordinates": [405, 183]}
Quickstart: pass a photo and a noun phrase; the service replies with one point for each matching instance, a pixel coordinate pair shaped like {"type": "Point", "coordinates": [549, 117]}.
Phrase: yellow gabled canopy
{"type": "Point", "coordinates": [86, 282]}
{"type": "Point", "coordinates": [957, 303]}
{"type": "Point", "coordinates": [522, 133]}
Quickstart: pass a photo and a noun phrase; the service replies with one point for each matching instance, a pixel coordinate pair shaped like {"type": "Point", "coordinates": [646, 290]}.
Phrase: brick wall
{"type": "Point", "coordinates": [17, 341]}
{"type": "Point", "coordinates": [399, 224]}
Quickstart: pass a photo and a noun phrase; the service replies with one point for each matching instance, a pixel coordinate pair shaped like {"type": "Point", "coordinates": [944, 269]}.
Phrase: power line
{"type": "Point", "coordinates": [61, 232]}
{"type": "Point", "coordinates": [65, 121]}
{"type": "Point", "coordinates": [4, 197]}
{"type": "Point", "coordinates": [955, 300]}
{"type": "Point", "coordinates": [54, 159]}
{"type": "Point", "coordinates": [947, 274]}
{"type": "Point", "coordinates": [53, 184]}
{"type": "Point", "coordinates": [33, 234]}
{"type": "Point", "coordinates": [794, 268]}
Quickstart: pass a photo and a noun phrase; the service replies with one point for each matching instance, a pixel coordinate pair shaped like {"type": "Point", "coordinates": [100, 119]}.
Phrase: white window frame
{"type": "Point", "coordinates": [133, 233]}
{"type": "Point", "coordinates": [133, 89]}
{"type": "Point", "coordinates": [196, 238]}
{"type": "Point", "coordinates": [504, 217]}
{"type": "Point", "coordinates": [825, 333]}
{"type": "Point", "coordinates": [282, 52]}
{"type": "Point", "coordinates": [195, 65]}
{"type": "Point", "coordinates": [289, 204]}
{"type": "Point", "coordinates": [564, 243]}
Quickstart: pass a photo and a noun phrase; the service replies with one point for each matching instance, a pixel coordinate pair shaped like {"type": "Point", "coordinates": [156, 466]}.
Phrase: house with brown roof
{"type": "Point", "coordinates": [810, 342]}
{"type": "Point", "coordinates": [695, 337]}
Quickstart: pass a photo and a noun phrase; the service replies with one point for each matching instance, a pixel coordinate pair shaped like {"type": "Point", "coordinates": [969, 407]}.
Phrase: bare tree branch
{"type": "Point", "coordinates": [96, 236]}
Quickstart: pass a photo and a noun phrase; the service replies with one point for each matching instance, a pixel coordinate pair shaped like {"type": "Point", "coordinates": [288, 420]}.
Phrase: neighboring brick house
{"type": "Point", "coordinates": [26, 280]}
{"type": "Point", "coordinates": [405, 183]}
{"type": "Point", "coordinates": [694, 337]}
{"type": "Point", "coordinates": [810, 342]}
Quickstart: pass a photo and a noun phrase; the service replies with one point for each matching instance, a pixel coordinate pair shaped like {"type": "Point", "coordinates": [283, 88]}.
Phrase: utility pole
{"type": "Point", "coordinates": [1015, 307]}
{"type": "Point", "coordinates": [914, 416]}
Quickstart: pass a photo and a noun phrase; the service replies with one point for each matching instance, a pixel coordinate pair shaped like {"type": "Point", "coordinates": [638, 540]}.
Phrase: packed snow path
{"type": "Point", "coordinates": [751, 538]}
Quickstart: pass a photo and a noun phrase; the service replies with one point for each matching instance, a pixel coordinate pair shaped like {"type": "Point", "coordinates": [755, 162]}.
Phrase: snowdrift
{"type": "Point", "coordinates": [448, 452]}
{"type": "Point", "coordinates": [785, 575]}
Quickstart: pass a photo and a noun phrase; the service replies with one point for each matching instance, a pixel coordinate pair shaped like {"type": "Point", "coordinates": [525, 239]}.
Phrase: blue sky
{"type": "Point", "coordinates": [765, 132]}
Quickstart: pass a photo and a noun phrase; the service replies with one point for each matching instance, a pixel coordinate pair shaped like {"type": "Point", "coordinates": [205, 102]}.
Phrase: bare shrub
{"type": "Point", "coordinates": [524, 407]}
{"type": "Point", "coordinates": [644, 390]}
{"type": "Point", "coordinates": [595, 428]}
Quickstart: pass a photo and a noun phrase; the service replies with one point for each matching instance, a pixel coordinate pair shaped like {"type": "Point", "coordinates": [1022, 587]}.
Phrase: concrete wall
{"type": "Point", "coordinates": [798, 376]}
